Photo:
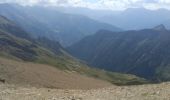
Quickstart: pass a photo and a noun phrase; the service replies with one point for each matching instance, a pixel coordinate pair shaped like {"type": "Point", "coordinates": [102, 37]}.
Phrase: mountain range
{"type": "Point", "coordinates": [139, 18]}
{"type": "Point", "coordinates": [129, 19]}
{"type": "Point", "coordinates": [53, 52]}
{"type": "Point", "coordinates": [89, 44]}
{"type": "Point", "coordinates": [53, 24]}
{"type": "Point", "coordinates": [16, 44]}
{"type": "Point", "coordinates": [144, 53]}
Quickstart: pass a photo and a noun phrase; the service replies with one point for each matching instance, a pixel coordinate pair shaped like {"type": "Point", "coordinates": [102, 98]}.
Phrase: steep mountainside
{"type": "Point", "coordinates": [12, 28]}
{"type": "Point", "coordinates": [41, 21]}
{"type": "Point", "coordinates": [45, 51]}
{"type": "Point", "coordinates": [144, 53]}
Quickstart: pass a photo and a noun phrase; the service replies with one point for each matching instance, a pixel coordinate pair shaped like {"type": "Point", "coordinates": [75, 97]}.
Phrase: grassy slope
{"type": "Point", "coordinates": [62, 61]}
{"type": "Point", "coordinates": [22, 73]}
{"type": "Point", "coordinates": [144, 53]}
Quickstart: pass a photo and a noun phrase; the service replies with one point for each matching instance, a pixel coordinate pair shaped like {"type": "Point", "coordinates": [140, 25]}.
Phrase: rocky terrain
{"type": "Point", "coordinates": [141, 92]}
{"type": "Point", "coordinates": [30, 81]}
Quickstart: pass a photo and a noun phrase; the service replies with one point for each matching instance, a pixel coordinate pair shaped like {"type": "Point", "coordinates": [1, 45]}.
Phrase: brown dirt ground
{"type": "Point", "coordinates": [38, 75]}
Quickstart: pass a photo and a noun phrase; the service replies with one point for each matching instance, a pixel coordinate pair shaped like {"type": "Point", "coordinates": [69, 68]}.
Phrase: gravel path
{"type": "Point", "coordinates": [141, 92]}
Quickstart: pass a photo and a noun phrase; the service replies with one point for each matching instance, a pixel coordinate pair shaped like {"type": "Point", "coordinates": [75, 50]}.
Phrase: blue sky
{"type": "Point", "coordinates": [98, 4]}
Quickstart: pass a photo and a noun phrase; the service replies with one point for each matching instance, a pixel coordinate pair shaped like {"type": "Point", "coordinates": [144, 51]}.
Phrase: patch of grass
{"type": "Point", "coordinates": [145, 94]}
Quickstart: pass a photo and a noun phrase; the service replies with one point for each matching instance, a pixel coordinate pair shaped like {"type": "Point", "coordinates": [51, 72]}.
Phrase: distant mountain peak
{"type": "Point", "coordinates": [140, 8]}
{"type": "Point", "coordinates": [160, 27]}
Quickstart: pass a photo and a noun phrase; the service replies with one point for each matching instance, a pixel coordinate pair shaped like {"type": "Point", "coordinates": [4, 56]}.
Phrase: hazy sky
{"type": "Point", "coordinates": [97, 4]}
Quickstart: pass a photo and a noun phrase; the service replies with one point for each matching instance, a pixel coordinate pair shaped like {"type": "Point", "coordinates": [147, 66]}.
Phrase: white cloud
{"type": "Point", "coordinates": [97, 4]}
{"type": "Point", "coordinates": [158, 4]}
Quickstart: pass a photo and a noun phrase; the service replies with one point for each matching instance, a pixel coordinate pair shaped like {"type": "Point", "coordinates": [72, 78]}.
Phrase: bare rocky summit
{"type": "Point", "coordinates": [140, 92]}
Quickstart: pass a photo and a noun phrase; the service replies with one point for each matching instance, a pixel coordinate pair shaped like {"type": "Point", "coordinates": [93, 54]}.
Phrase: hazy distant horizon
{"type": "Point", "coordinates": [97, 4]}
